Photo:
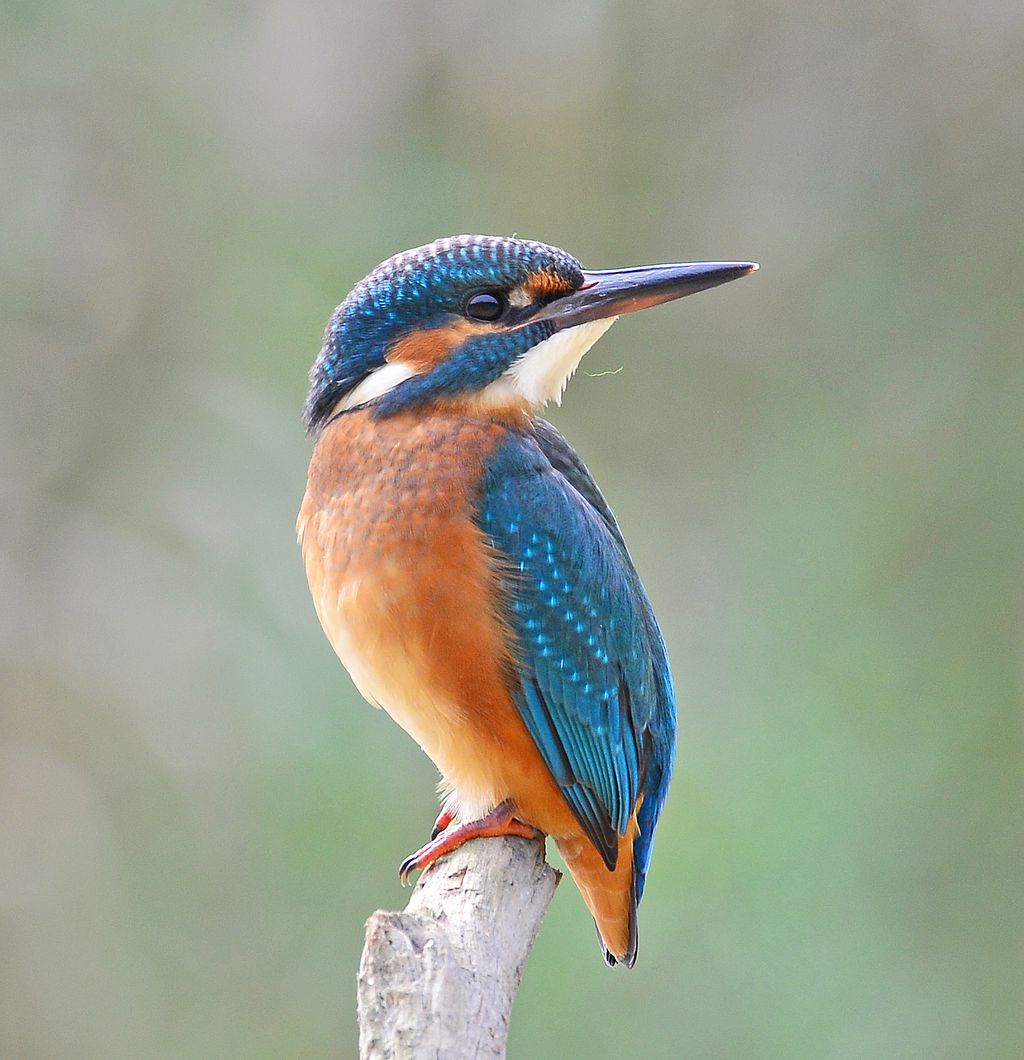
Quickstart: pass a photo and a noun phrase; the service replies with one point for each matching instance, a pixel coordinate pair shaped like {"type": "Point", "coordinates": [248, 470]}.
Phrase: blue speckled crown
{"type": "Point", "coordinates": [420, 287]}
{"type": "Point", "coordinates": [429, 275]}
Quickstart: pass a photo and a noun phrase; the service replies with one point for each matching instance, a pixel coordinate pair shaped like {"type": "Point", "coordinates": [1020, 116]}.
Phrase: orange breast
{"type": "Point", "coordinates": [404, 585]}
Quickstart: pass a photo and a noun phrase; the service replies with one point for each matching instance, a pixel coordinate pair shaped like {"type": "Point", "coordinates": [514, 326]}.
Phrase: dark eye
{"type": "Point", "coordinates": [487, 305]}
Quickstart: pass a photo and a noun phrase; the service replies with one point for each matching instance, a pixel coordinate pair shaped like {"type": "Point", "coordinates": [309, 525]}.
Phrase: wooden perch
{"type": "Point", "coordinates": [438, 980]}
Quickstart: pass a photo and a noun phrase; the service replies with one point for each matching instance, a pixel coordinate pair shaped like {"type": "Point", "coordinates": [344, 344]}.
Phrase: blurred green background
{"type": "Point", "coordinates": [819, 471]}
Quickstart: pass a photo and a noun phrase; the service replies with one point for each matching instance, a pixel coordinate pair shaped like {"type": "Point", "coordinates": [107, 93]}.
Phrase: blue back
{"type": "Point", "coordinates": [592, 682]}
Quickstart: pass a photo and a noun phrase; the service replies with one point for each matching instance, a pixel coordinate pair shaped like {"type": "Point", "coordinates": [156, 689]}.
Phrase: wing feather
{"type": "Point", "coordinates": [591, 680]}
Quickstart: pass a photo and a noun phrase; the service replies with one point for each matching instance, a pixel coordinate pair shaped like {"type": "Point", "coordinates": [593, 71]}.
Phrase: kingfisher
{"type": "Point", "coordinates": [467, 569]}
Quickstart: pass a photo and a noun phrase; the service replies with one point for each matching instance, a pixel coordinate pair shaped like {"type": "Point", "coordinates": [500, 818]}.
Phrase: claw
{"type": "Point", "coordinates": [501, 820]}
{"type": "Point", "coordinates": [444, 819]}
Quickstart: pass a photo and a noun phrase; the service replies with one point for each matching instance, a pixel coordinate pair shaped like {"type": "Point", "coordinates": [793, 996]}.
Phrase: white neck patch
{"type": "Point", "coordinates": [376, 385]}
{"type": "Point", "coordinates": [540, 375]}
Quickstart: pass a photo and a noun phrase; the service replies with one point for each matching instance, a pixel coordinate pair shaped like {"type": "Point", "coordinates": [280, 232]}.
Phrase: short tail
{"type": "Point", "coordinates": [610, 896]}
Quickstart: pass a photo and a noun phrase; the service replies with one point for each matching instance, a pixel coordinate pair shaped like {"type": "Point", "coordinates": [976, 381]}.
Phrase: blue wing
{"type": "Point", "coordinates": [592, 681]}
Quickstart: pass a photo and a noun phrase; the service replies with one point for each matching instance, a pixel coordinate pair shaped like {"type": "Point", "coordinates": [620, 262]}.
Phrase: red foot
{"type": "Point", "coordinates": [501, 820]}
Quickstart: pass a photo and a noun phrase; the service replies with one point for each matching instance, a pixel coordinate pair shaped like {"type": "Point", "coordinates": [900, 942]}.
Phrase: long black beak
{"type": "Point", "coordinates": [616, 291]}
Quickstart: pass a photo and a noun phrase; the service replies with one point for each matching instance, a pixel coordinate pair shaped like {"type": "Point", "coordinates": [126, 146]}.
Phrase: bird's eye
{"type": "Point", "coordinates": [487, 305]}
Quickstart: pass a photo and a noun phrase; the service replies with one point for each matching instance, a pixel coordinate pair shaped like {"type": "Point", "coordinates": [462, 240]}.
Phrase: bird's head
{"type": "Point", "coordinates": [484, 319]}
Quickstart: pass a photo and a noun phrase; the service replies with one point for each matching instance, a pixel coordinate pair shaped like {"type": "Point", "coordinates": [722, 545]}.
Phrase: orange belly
{"type": "Point", "coordinates": [404, 584]}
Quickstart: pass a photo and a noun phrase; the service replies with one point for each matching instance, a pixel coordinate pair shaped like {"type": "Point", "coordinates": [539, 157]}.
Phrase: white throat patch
{"type": "Point", "coordinates": [540, 375]}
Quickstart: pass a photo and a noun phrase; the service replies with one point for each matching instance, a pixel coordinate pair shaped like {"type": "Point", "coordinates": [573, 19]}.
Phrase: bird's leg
{"type": "Point", "coordinates": [444, 818]}
{"type": "Point", "coordinates": [501, 820]}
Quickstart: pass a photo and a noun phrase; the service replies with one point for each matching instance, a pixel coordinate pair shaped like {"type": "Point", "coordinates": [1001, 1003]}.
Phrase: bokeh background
{"type": "Point", "coordinates": [819, 471]}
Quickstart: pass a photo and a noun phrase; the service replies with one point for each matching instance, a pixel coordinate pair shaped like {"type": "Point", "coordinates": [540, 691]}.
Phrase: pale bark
{"type": "Point", "coordinates": [438, 980]}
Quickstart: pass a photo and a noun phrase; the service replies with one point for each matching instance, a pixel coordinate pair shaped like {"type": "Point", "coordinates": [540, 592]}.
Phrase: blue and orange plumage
{"type": "Point", "coordinates": [466, 568]}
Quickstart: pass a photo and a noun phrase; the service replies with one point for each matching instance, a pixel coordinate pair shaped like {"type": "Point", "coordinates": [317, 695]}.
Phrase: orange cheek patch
{"type": "Point", "coordinates": [425, 350]}
{"type": "Point", "coordinates": [544, 285]}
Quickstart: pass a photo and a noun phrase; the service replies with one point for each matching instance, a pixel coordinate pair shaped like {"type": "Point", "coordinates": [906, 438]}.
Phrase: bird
{"type": "Point", "coordinates": [467, 569]}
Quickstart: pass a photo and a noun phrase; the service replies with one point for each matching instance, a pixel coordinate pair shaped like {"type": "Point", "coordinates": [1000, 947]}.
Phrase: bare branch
{"type": "Point", "coordinates": [439, 979]}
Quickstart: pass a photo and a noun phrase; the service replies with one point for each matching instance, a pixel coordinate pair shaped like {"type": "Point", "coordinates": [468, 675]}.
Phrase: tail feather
{"type": "Point", "coordinates": [628, 958]}
{"type": "Point", "coordinates": [611, 897]}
